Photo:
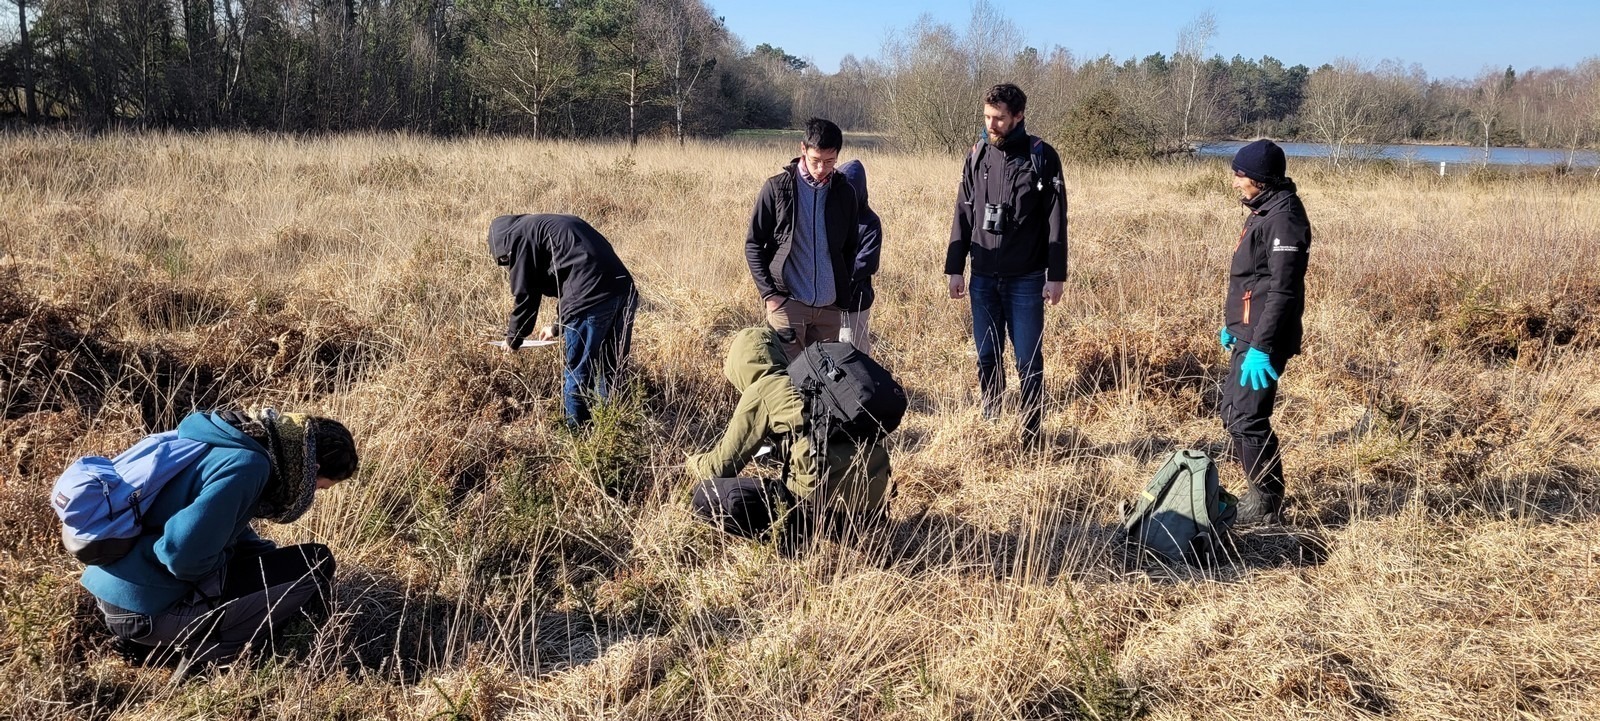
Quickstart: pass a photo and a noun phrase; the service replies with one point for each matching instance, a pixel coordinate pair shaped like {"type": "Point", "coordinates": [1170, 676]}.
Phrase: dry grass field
{"type": "Point", "coordinates": [1440, 434]}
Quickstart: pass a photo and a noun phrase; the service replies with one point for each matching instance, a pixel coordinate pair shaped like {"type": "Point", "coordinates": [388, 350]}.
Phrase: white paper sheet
{"type": "Point", "coordinates": [525, 344]}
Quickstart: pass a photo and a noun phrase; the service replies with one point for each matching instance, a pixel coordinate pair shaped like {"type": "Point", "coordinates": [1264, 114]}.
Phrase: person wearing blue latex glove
{"type": "Point", "coordinates": [1266, 299]}
{"type": "Point", "coordinates": [1256, 371]}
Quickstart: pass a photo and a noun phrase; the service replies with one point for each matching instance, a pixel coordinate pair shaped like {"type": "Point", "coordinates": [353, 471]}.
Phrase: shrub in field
{"type": "Point", "coordinates": [1100, 128]}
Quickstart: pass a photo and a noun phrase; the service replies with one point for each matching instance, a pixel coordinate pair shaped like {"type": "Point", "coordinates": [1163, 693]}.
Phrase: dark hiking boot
{"type": "Point", "coordinates": [1259, 508]}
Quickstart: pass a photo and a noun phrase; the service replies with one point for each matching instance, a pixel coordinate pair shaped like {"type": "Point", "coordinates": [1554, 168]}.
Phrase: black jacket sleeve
{"type": "Point", "coordinates": [1056, 186]}
{"type": "Point", "coordinates": [870, 247]}
{"type": "Point", "coordinates": [955, 256]}
{"type": "Point", "coordinates": [1287, 243]}
{"type": "Point", "coordinates": [759, 245]}
{"type": "Point", "coordinates": [852, 244]}
{"type": "Point", "coordinates": [525, 295]}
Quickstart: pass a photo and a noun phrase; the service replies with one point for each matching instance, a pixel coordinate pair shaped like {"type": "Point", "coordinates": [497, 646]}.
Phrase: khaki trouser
{"type": "Point", "coordinates": [799, 325]}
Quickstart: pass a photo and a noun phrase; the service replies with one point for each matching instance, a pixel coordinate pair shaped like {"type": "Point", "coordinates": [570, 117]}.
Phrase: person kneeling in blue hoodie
{"type": "Point", "coordinates": [205, 585]}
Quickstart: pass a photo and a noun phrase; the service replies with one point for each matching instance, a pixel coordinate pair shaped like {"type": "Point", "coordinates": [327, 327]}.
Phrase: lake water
{"type": "Point", "coordinates": [1428, 154]}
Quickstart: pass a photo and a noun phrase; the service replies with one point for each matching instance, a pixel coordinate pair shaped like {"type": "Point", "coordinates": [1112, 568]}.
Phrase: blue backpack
{"type": "Point", "coordinates": [101, 502]}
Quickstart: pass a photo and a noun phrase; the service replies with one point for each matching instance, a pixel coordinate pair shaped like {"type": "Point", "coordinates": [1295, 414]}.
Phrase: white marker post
{"type": "Point", "coordinates": [1441, 168]}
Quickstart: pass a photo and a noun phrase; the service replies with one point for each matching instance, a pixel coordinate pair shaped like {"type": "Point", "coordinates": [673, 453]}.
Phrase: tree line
{"type": "Point", "coordinates": [671, 68]}
{"type": "Point", "coordinates": [1165, 102]}
{"type": "Point", "coordinates": [542, 67]}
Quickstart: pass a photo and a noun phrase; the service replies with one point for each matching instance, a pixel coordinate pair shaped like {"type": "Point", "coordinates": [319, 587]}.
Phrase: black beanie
{"type": "Point", "coordinates": [1261, 161]}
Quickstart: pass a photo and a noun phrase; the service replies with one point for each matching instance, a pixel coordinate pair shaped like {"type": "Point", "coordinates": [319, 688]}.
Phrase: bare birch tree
{"type": "Point", "coordinates": [619, 38]}
{"type": "Point", "coordinates": [1193, 40]}
{"type": "Point", "coordinates": [936, 78]}
{"type": "Point", "coordinates": [1488, 101]}
{"type": "Point", "coordinates": [685, 41]}
{"type": "Point", "coordinates": [1589, 72]}
{"type": "Point", "coordinates": [1338, 107]}
{"type": "Point", "coordinates": [525, 58]}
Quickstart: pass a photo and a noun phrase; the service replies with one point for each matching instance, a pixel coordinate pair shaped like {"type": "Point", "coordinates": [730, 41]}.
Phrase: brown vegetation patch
{"type": "Point", "coordinates": [58, 163]}
{"type": "Point", "coordinates": [394, 172]}
{"type": "Point", "coordinates": [1487, 320]}
{"type": "Point", "coordinates": [61, 356]}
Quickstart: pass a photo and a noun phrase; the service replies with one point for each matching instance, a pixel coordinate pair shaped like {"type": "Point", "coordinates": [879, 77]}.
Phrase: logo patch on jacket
{"type": "Point", "coordinates": [1279, 247]}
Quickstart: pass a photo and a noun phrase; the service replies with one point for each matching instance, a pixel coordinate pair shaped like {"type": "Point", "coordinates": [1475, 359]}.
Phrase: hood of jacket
{"type": "Point", "coordinates": [213, 430]}
{"type": "Point", "coordinates": [754, 354]}
{"type": "Point", "coordinates": [856, 173]}
{"type": "Point", "coordinates": [502, 241]}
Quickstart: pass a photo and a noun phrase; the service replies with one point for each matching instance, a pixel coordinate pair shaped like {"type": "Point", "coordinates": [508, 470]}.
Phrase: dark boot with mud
{"type": "Point", "coordinates": [1262, 504]}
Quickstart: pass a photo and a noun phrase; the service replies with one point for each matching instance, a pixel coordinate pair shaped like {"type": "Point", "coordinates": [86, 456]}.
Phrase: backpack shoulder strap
{"type": "Point", "coordinates": [1153, 494]}
{"type": "Point", "coordinates": [1199, 496]}
{"type": "Point", "coordinates": [973, 158]}
{"type": "Point", "coordinates": [1205, 492]}
{"type": "Point", "coordinates": [1036, 157]}
{"type": "Point", "coordinates": [154, 461]}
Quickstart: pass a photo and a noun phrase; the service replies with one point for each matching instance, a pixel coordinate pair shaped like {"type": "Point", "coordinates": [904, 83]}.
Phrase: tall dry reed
{"type": "Point", "coordinates": [1438, 434]}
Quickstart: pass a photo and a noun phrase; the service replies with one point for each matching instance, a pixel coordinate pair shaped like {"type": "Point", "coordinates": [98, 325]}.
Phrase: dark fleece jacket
{"type": "Point", "coordinates": [1037, 237]}
{"type": "Point", "coordinates": [1267, 281]}
{"type": "Point", "coordinates": [871, 242]}
{"type": "Point", "coordinates": [771, 235]}
{"type": "Point", "coordinates": [559, 256]}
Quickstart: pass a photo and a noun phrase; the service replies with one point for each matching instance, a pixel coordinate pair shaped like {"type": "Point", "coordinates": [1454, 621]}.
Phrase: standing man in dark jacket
{"type": "Point", "coordinates": [1011, 217]}
{"type": "Point", "coordinates": [802, 242]}
{"type": "Point", "coordinates": [1266, 297]}
{"type": "Point", "coordinates": [858, 309]}
{"type": "Point", "coordinates": [563, 257]}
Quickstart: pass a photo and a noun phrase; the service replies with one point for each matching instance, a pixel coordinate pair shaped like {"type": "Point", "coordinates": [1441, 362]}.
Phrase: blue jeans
{"type": "Point", "coordinates": [597, 342]}
{"type": "Point", "coordinates": [1015, 307]}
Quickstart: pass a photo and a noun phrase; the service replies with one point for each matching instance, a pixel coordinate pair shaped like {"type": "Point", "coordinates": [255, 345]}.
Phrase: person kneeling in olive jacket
{"type": "Point", "coordinates": [846, 482]}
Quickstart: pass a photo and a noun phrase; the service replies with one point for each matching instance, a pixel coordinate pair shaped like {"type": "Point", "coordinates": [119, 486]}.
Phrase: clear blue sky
{"type": "Point", "coordinates": [1447, 38]}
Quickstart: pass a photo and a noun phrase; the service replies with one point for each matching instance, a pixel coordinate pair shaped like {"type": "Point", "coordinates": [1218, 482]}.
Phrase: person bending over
{"type": "Point", "coordinates": [563, 257]}
{"type": "Point", "coordinates": [206, 585]}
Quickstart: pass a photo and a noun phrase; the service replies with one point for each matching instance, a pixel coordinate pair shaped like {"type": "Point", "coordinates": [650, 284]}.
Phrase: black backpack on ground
{"type": "Point", "coordinates": [847, 392]}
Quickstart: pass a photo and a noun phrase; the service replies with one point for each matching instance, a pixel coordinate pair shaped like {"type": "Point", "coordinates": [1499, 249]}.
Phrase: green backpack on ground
{"type": "Point", "coordinates": [1184, 513]}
